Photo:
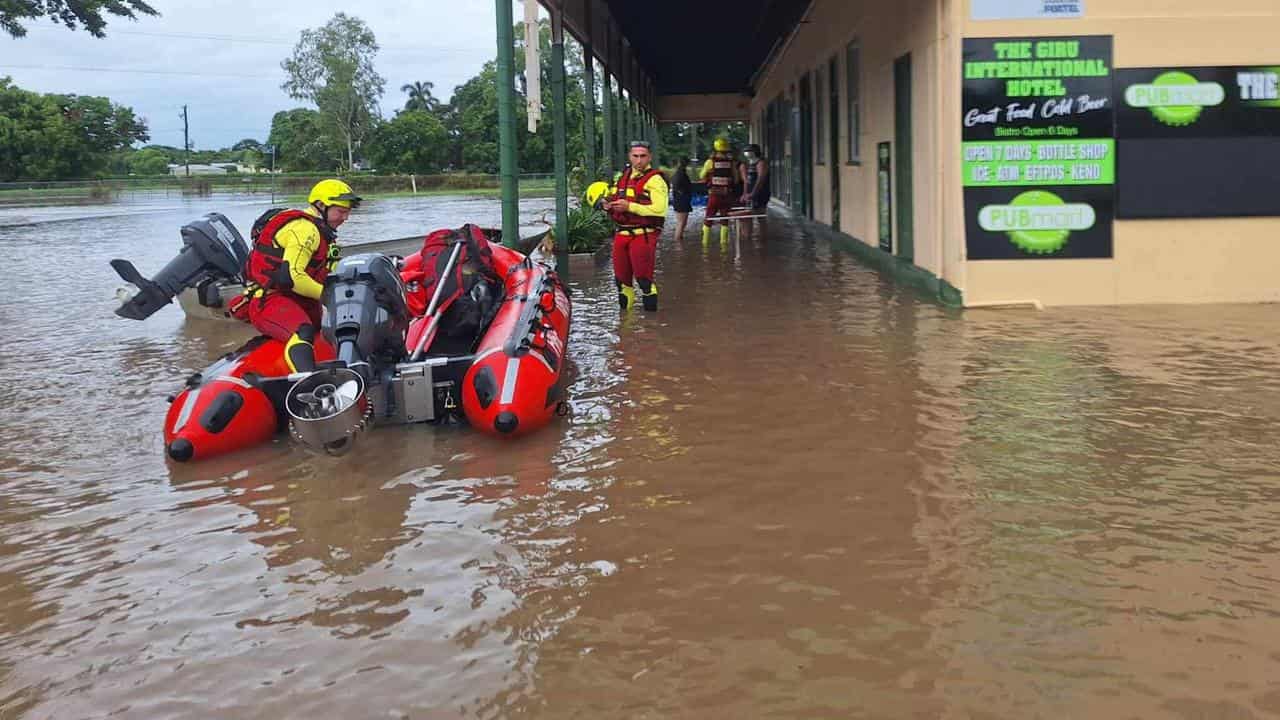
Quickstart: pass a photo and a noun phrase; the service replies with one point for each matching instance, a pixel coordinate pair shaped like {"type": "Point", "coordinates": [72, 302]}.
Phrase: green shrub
{"type": "Point", "coordinates": [589, 228]}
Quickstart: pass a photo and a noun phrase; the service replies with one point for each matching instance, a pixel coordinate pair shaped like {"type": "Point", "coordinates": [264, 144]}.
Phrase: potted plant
{"type": "Point", "coordinates": [590, 230]}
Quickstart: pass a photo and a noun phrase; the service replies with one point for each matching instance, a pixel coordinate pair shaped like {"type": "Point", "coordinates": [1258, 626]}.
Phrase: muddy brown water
{"type": "Point", "coordinates": [798, 491]}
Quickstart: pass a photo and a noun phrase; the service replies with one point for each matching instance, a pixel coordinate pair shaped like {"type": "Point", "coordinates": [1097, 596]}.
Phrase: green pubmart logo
{"type": "Point", "coordinates": [1037, 221]}
{"type": "Point", "coordinates": [1175, 98]}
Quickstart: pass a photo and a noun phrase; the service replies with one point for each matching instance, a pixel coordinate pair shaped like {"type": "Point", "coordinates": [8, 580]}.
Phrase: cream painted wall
{"type": "Point", "coordinates": [885, 31]}
{"type": "Point", "coordinates": [1156, 261]}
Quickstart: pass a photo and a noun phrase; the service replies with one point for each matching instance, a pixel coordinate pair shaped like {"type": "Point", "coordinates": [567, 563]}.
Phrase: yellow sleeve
{"type": "Point", "coordinates": [706, 170]}
{"type": "Point", "coordinates": [300, 239]}
{"type": "Point", "coordinates": [657, 207]}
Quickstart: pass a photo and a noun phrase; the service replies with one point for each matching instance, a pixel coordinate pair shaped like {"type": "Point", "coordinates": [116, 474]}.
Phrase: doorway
{"type": "Point", "coordinates": [902, 156]}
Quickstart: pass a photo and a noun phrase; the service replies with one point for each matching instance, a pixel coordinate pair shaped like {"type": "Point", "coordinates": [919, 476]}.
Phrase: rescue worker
{"type": "Point", "coordinates": [293, 251]}
{"type": "Point", "coordinates": [638, 205]}
{"type": "Point", "coordinates": [719, 173]}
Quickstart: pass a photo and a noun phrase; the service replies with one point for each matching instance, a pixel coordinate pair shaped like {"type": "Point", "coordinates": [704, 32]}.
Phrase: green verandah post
{"type": "Point", "coordinates": [589, 116]}
{"type": "Point", "coordinates": [558, 119]}
{"type": "Point", "coordinates": [606, 108]}
{"type": "Point", "coordinates": [507, 168]}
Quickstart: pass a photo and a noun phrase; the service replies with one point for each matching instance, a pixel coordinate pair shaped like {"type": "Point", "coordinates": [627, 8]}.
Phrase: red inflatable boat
{"type": "Point", "coordinates": [219, 411]}
{"type": "Point", "coordinates": [513, 384]}
{"type": "Point", "coordinates": [464, 329]}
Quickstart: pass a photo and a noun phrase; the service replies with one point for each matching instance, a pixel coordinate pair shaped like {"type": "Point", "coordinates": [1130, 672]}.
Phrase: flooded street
{"type": "Point", "coordinates": [798, 491]}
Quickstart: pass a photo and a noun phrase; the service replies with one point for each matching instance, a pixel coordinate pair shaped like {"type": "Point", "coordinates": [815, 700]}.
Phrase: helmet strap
{"type": "Point", "coordinates": [324, 213]}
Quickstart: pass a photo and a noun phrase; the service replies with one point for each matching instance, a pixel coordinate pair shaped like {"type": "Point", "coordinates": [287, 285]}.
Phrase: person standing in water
{"type": "Point", "coordinates": [638, 205]}
{"type": "Point", "coordinates": [719, 174]}
{"type": "Point", "coordinates": [754, 174]}
{"type": "Point", "coordinates": [681, 196]}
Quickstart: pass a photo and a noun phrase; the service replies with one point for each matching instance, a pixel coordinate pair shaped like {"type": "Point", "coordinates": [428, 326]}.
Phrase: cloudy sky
{"type": "Point", "coordinates": [222, 59]}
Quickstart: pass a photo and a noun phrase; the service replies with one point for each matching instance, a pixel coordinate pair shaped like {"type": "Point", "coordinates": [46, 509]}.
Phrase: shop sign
{"type": "Point", "coordinates": [1039, 153]}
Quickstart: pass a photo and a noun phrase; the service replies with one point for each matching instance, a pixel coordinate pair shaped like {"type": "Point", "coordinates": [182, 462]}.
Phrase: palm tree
{"type": "Point", "coordinates": [420, 97]}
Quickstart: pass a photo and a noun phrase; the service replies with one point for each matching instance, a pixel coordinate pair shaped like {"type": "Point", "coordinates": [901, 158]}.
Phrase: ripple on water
{"type": "Point", "coordinates": [796, 491]}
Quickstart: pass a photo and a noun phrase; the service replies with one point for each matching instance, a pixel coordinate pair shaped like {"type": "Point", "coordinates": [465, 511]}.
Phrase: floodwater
{"type": "Point", "coordinates": [798, 491]}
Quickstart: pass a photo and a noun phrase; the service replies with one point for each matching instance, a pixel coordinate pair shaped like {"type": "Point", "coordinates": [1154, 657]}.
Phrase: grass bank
{"type": "Point", "coordinates": [286, 189]}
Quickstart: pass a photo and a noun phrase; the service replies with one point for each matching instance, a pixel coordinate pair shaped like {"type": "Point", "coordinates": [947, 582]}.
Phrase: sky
{"type": "Point", "coordinates": [222, 60]}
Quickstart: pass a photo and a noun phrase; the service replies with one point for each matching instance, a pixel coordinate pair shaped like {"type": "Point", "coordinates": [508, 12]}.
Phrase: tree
{"type": "Point", "coordinates": [420, 97]}
{"type": "Point", "coordinates": [250, 156]}
{"type": "Point", "coordinates": [247, 144]}
{"type": "Point", "coordinates": [148, 162]}
{"type": "Point", "coordinates": [412, 142]}
{"type": "Point", "coordinates": [333, 67]}
{"type": "Point", "coordinates": [52, 137]}
{"type": "Point", "coordinates": [304, 141]}
{"type": "Point", "coordinates": [472, 115]}
{"type": "Point", "coordinates": [68, 12]}
{"type": "Point", "coordinates": [474, 121]}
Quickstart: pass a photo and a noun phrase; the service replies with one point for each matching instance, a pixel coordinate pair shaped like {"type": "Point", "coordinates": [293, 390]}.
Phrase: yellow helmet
{"type": "Point", "coordinates": [333, 192]}
{"type": "Point", "coordinates": [721, 145]}
{"type": "Point", "coordinates": [595, 191]}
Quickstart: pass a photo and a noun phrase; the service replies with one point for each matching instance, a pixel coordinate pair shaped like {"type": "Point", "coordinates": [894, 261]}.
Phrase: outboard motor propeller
{"type": "Point", "coordinates": [327, 409]}
{"type": "Point", "coordinates": [212, 249]}
{"type": "Point", "coordinates": [365, 318]}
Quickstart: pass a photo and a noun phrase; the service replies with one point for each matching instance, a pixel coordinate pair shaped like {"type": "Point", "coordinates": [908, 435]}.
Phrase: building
{"type": "Point", "coordinates": [1050, 151]}
{"type": "Point", "coordinates": [197, 169]}
{"type": "Point", "coordinates": [999, 151]}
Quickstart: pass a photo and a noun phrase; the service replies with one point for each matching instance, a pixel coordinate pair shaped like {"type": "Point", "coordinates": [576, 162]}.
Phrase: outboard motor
{"type": "Point", "coordinates": [212, 250]}
{"type": "Point", "coordinates": [365, 315]}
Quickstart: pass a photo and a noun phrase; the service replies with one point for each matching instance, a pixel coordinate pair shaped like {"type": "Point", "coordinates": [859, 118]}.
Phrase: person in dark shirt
{"type": "Point", "coordinates": [681, 196]}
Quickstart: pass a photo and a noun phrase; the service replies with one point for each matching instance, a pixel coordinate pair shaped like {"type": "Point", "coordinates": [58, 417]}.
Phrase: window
{"type": "Point", "coordinates": [820, 96]}
{"type": "Point", "coordinates": [853, 74]}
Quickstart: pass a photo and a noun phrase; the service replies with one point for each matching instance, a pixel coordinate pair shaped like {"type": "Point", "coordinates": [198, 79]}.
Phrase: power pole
{"type": "Point", "coordinates": [186, 142]}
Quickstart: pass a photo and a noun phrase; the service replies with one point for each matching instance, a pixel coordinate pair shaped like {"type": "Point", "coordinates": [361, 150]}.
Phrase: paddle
{"type": "Point", "coordinates": [432, 316]}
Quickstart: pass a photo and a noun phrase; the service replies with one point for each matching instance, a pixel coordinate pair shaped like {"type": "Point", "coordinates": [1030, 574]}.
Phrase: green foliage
{"type": "Point", "coordinates": [420, 97]}
{"type": "Point", "coordinates": [47, 137]}
{"type": "Point", "coordinates": [474, 122]}
{"type": "Point", "coordinates": [304, 142]}
{"type": "Point", "coordinates": [693, 140]}
{"type": "Point", "coordinates": [473, 113]}
{"type": "Point", "coordinates": [332, 66]}
{"type": "Point", "coordinates": [589, 228]}
{"type": "Point", "coordinates": [413, 142]}
{"type": "Point", "coordinates": [68, 12]}
{"type": "Point", "coordinates": [148, 162]}
{"type": "Point", "coordinates": [247, 144]}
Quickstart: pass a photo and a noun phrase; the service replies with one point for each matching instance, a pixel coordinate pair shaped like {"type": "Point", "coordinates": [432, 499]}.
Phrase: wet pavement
{"type": "Point", "coordinates": [797, 491]}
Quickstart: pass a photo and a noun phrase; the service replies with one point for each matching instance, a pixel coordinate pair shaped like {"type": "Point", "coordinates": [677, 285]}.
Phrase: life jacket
{"type": "Point", "coordinates": [632, 189]}
{"type": "Point", "coordinates": [720, 182]}
{"type": "Point", "coordinates": [472, 288]}
{"type": "Point", "coordinates": [265, 266]}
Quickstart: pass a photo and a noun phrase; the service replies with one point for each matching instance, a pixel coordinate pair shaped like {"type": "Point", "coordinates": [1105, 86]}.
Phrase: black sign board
{"type": "Point", "coordinates": [1198, 141]}
{"type": "Point", "coordinates": [1198, 102]}
{"type": "Point", "coordinates": [1039, 157]}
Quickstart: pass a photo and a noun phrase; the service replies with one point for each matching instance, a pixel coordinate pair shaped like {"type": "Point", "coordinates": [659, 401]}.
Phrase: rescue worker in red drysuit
{"type": "Point", "coordinates": [291, 257]}
{"type": "Point", "coordinates": [718, 173]}
{"type": "Point", "coordinates": [638, 205]}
